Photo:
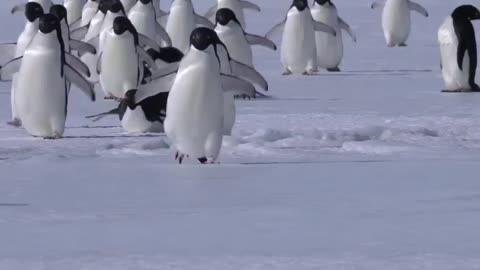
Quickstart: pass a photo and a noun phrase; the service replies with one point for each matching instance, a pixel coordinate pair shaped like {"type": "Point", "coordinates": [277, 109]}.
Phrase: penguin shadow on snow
{"type": "Point", "coordinates": [379, 72]}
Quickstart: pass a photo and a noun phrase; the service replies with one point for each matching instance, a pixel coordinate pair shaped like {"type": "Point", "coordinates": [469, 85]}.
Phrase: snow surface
{"type": "Point", "coordinates": [371, 168]}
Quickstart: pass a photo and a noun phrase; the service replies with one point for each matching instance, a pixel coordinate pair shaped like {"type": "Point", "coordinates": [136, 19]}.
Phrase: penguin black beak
{"type": "Point", "coordinates": [130, 99]}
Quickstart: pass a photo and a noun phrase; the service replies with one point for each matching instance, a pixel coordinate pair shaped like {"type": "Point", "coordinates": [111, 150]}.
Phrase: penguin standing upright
{"type": "Point", "coordinates": [237, 6]}
{"type": "Point", "coordinates": [74, 10]}
{"type": "Point", "coordinates": [182, 19]}
{"type": "Point", "coordinates": [299, 53]}
{"type": "Point", "coordinates": [89, 10]}
{"type": "Point", "coordinates": [128, 4]}
{"type": "Point", "coordinates": [120, 65]}
{"type": "Point", "coordinates": [194, 122]}
{"type": "Point", "coordinates": [143, 16]}
{"type": "Point", "coordinates": [396, 20]}
{"type": "Point", "coordinates": [115, 9]}
{"type": "Point", "coordinates": [458, 49]}
{"type": "Point", "coordinates": [41, 98]}
{"type": "Point", "coordinates": [238, 44]}
{"type": "Point", "coordinates": [9, 51]}
{"type": "Point", "coordinates": [329, 48]}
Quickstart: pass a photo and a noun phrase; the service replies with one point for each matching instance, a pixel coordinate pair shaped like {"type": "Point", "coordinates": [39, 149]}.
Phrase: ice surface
{"type": "Point", "coordinates": [370, 168]}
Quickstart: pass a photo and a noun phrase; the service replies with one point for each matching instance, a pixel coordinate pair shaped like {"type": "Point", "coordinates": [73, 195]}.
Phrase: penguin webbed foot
{"type": "Point", "coordinates": [179, 157]}
{"type": "Point", "coordinates": [15, 123]}
{"type": "Point", "coordinates": [403, 44]}
{"type": "Point", "coordinates": [333, 69]}
{"type": "Point", "coordinates": [475, 87]}
{"type": "Point", "coordinates": [203, 160]}
{"type": "Point", "coordinates": [55, 136]}
{"type": "Point", "coordinates": [287, 73]}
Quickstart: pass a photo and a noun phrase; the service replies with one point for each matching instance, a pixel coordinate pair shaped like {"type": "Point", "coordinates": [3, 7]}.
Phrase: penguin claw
{"type": "Point", "coordinates": [176, 155]}
{"type": "Point", "coordinates": [180, 159]}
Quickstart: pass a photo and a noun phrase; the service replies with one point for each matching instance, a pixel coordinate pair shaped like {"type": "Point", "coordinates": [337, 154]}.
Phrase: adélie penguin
{"type": "Point", "coordinates": [144, 17]}
{"type": "Point", "coordinates": [238, 43]}
{"type": "Point", "coordinates": [43, 71]}
{"type": "Point", "coordinates": [182, 19]}
{"type": "Point", "coordinates": [46, 4]}
{"type": "Point", "coordinates": [299, 54]}
{"type": "Point", "coordinates": [9, 51]}
{"type": "Point", "coordinates": [329, 47]}
{"type": "Point", "coordinates": [237, 6]}
{"type": "Point", "coordinates": [194, 121]}
{"type": "Point", "coordinates": [115, 9]}
{"type": "Point", "coordinates": [128, 4]}
{"type": "Point", "coordinates": [458, 50]}
{"type": "Point", "coordinates": [396, 21]}
{"type": "Point", "coordinates": [89, 10]}
{"type": "Point", "coordinates": [74, 10]}
{"type": "Point", "coordinates": [121, 62]}
{"type": "Point", "coordinates": [149, 114]}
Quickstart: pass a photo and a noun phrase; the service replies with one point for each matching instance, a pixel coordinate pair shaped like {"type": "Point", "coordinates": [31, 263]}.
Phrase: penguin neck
{"type": "Point", "coordinates": [200, 58]}
{"type": "Point", "coordinates": [31, 27]}
{"type": "Point", "coordinates": [45, 41]}
{"type": "Point", "coordinates": [141, 8]}
{"type": "Point", "coordinates": [230, 27]}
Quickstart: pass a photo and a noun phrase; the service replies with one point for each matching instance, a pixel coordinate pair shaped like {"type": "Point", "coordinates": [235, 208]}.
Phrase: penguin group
{"type": "Point", "coordinates": [178, 72]}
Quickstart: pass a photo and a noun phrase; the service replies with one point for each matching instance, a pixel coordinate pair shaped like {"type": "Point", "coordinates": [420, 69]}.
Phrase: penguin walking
{"type": "Point", "coordinates": [458, 50]}
{"type": "Point", "coordinates": [299, 53]}
{"type": "Point", "coordinates": [74, 10]}
{"type": "Point", "coordinates": [237, 6]}
{"type": "Point", "coordinates": [329, 48]}
{"type": "Point", "coordinates": [120, 64]}
{"type": "Point", "coordinates": [41, 98]}
{"type": "Point", "coordinates": [182, 19]}
{"type": "Point", "coordinates": [396, 21]}
{"type": "Point", "coordinates": [194, 122]}
{"type": "Point", "coordinates": [238, 43]}
{"type": "Point", "coordinates": [143, 16]}
{"type": "Point", "coordinates": [149, 114]}
{"type": "Point", "coordinates": [46, 4]}
{"type": "Point", "coordinates": [9, 51]}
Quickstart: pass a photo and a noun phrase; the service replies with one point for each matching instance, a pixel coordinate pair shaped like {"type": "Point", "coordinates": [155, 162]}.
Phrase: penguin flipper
{"type": "Point", "coordinates": [203, 21]}
{"type": "Point", "coordinates": [94, 41]}
{"type": "Point", "coordinates": [165, 71]}
{"type": "Point", "coordinates": [344, 25]}
{"type": "Point", "coordinates": [322, 27]}
{"type": "Point", "coordinates": [237, 86]}
{"type": "Point", "coordinates": [77, 64]}
{"type": "Point", "coordinates": [377, 4]}
{"type": "Point", "coordinates": [249, 5]}
{"type": "Point", "coordinates": [155, 87]}
{"type": "Point", "coordinates": [262, 41]}
{"type": "Point", "coordinates": [145, 41]}
{"type": "Point", "coordinates": [79, 33]}
{"type": "Point", "coordinates": [18, 8]}
{"type": "Point", "coordinates": [211, 12]}
{"type": "Point", "coordinates": [99, 64]}
{"type": "Point", "coordinates": [7, 52]}
{"type": "Point", "coordinates": [163, 35]}
{"type": "Point", "coordinates": [276, 29]}
{"type": "Point", "coordinates": [163, 19]}
{"type": "Point", "coordinates": [100, 116]}
{"type": "Point", "coordinates": [82, 47]}
{"type": "Point", "coordinates": [74, 77]}
{"type": "Point", "coordinates": [10, 68]}
{"type": "Point", "coordinates": [143, 56]}
{"type": "Point", "coordinates": [244, 71]}
{"type": "Point", "coordinates": [418, 8]}
{"type": "Point", "coordinates": [461, 50]}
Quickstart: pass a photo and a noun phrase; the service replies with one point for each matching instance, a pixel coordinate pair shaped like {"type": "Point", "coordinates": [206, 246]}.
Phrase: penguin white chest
{"type": "Point", "coordinates": [74, 10]}
{"type": "Point", "coordinates": [298, 42]}
{"type": "Point", "coordinates": [396, 22]}
{"type": "Point", "coordinates": [237, 45]}
{"type": "Point", "coordinates": [119, 65]}
{"type": "Point", "coordinates": [88, 12]}
{"type": "Point", "coordinates": [40, 92]}
{"type": "Point", "coordinates": [194, 120]}
{"type": "Point", "coordinates": [454, 78]}
{"type": "Point", "coordinates": [180, 25]}
{"type": "Point", "coordinates": [144, 21]}
{"type": "Point", "coordinates": [329, 47]}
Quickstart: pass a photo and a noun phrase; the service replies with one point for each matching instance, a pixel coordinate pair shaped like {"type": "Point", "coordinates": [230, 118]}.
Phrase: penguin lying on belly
{"type": "Point", "coordinates": [458, 50]}
{"type": "Point", "coordinates": [149, 114]}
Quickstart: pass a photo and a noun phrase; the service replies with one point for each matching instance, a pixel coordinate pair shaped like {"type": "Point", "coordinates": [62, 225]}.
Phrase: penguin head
{"type": "Point", "coordinates": [323, 2]}
{"type": "Point", "coordinates": [466, 12]}
{"type": "Point", "coordinates": [33, 11]}
{"type": "Point", "coordinates": [104, 6]}
{"type": "Point", "coordinates": [300, 5]}
{"type": "Point", "coordinates": [129, 99]}
{"type": "Point", "coordinates": [202, 37]}
{"type": "Point", "coordinates": [116, 6]}
{"type": "Point", "coordinates": [225, 16]}
{"type": "Point", "coordinates": [48, 23]}
{"type": "Point", "coordinates": [59, 11]}
{"type": "Point", "coordinates": [121, 25]}
{"type": "Point", "coordinates": [145, 2]}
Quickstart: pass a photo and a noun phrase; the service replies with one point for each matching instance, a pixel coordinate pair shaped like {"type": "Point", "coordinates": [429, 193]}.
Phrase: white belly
{"type": "Point", "coordinates": [195, 111]}
{"type": "Point", "coordinates": [119, 71]}
{"type": "Point", "coordinates": [40, 94]}
{"type": "Point", "coordinates": [89, 11]}
{"type": "Point", "coordinates": [454, 78]}
{"type": "Point", "coordinates": [180, 26]}
{"type": "Point", "coordinates": [144, 23]}
{"type": "Point", "coordinates": [74, 10]}
{"type": "Point", "coordinates": [91, 59]}
{"type": "Point", "coordinates": [236, 43]}
{"type": "Point", "coordinates": [329, 47]}
{"type": "Point", "coordinates": [236, 7]}
{"type": "Point", "coordinates": [136, 122]}
{"type": "Point", "coordinates": [298, 43]}
{"type": "Point", "coordinates": [229, 114]}
{"type": "Point", "coordinates": [396, 22]}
